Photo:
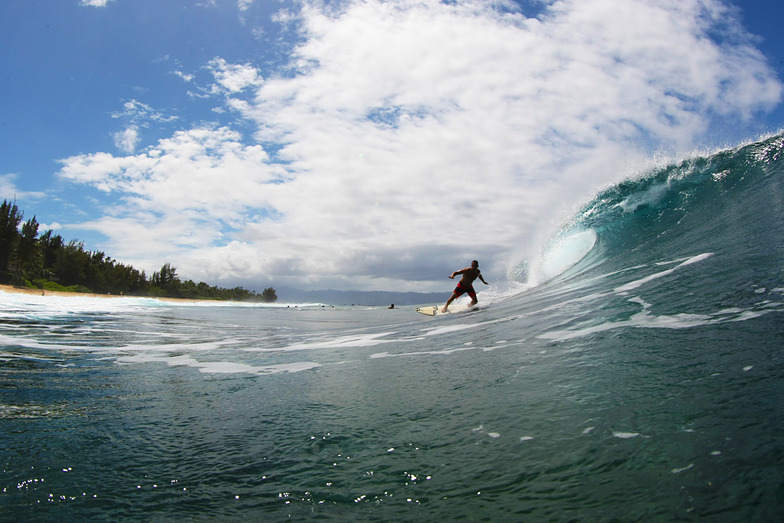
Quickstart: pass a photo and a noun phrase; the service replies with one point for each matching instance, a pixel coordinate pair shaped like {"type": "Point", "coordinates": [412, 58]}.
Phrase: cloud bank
{"type": "Point", "coordinates": [403, 139]}
{"type": "Point", "coordinates": [94, 3]}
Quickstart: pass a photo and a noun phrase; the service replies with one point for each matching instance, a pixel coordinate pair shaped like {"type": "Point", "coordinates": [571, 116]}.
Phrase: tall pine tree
{"type": "Point", "coordinates": [10, 217]}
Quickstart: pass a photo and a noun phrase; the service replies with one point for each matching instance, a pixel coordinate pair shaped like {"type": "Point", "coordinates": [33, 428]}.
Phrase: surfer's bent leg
{"type": "Point", "coordinates": [457, 292]}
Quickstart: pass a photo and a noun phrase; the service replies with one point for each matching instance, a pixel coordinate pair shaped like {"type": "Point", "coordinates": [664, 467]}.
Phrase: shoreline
{"type": "Point", "coordinates": [11, 289]}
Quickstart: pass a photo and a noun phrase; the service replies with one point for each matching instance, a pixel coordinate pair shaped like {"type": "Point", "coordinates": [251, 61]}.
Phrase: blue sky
{"type": "Point", "coordinates": [360, 145]}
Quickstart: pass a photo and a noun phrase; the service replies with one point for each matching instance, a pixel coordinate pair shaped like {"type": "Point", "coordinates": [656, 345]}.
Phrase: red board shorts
{"type": "Point", "coordinates": [460, 289]}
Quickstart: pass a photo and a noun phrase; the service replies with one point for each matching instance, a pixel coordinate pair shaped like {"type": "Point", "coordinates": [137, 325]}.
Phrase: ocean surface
{"type": "Point", "coordinates": [632, 373]}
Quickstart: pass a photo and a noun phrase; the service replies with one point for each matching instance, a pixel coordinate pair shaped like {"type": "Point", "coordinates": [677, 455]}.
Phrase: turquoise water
{"type": "Point", "coordinates": [640, 379]}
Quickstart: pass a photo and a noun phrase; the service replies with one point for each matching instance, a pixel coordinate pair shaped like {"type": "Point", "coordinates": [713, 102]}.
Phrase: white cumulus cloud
{"type": "Point", "coordinates": [127, 140]}
{"type": "Point", "coordinates": [404, 138]}
{"type": "Point", "coordinates": [94, 3]}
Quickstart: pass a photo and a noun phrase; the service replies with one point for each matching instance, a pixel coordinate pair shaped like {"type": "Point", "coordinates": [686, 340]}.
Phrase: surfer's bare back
{"type": "Point", "coordinates": [466, 283]}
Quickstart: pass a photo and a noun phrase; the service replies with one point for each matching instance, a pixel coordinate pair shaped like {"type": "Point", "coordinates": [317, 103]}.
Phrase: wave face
{"type": "Point", "coordinates": [641, 378]}
{"type": "Point", "coordinates": [729, 203]}
{"type": "Point", "coordinates": [725, 211]}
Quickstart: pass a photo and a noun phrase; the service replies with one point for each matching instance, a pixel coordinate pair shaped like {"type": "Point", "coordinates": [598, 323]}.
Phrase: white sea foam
{"type": "Point", "coordinates": [443, 352]}
{"type": "Point", "coordinates": [624, 289]}
{"type": "Point", "coordinates": [224, 367]}
{"type": "Point", "coordinates": [216, 367]}
{"type": "Point", "coordinates": [748, 315]}
{"type": "Point", "coordinates": [449, 328]}
{"type": "Point", "coordinates": [651, 196]}
{"type": "Point", "coordinates": [645, 319]}
{"type": "Point", "coordinates": [23, 411]}
{"type": "Point", "coordinates": [352, 341]}
{"type": "Point", "coordinates": [57, 305]}
{"type": "Point", "coordinates": [728, 312]}
{"type": "Point", "coordinates": [9, 356]}
{"type": "Point", "coordinates": [31, 343]}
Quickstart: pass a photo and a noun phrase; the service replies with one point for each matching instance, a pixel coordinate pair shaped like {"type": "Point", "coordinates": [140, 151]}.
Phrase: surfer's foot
{"type": "Point", "coordinates": [443, 310]}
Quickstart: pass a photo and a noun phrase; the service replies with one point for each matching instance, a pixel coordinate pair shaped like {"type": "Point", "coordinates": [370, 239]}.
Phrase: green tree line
{"type": "Point", "coordinates": [47, 262]}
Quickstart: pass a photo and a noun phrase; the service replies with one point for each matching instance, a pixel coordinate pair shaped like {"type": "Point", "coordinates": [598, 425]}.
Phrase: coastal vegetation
{"type": "Point", "coordinates": [48, 262]}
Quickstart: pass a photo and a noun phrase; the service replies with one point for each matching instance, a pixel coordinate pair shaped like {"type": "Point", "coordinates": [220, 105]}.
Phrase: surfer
{"type": "Point", "coordinates": [466, 283]}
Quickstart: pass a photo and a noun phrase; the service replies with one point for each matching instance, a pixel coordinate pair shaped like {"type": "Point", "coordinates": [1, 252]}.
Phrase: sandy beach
{"type": "Point", "coordinates": [11, 289]}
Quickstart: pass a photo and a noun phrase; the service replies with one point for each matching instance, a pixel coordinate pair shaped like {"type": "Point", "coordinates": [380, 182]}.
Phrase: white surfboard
{"type": "Point", "coordinates": [435, 310]}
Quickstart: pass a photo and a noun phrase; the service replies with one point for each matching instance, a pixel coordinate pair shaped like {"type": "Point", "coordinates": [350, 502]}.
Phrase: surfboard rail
{"type": "Point", "coordinates": [435, 310]}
